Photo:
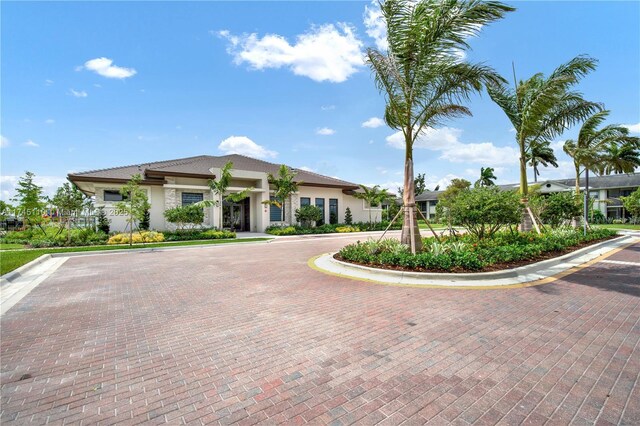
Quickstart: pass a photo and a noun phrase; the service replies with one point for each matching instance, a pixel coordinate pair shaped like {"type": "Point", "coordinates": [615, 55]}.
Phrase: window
{"type": "Point", "coordinates": [275, 212]}
{"type": "Point", "coordinates": [305, 201]}
{"type": "Point", "coordinates": [333, 210]}
{"type": "Point", "coordinates": [113, 195]}
{"type": "Point", "coordinates": [320, 205]}
{"type": "Point", "coordinates": [594, 194]}
{"type": "Point", "coordinates": [191, 198]}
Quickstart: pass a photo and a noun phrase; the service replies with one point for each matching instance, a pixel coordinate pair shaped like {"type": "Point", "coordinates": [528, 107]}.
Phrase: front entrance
{"type": "Point", "coordinates": [235, 216]}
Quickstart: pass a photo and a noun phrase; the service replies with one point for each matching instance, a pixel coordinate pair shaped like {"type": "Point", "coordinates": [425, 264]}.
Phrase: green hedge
{"type": "Point", "coordinates": [207, 234]}
{"type": "Point", "coordinates": [467, 252]}
{"type": "Point", "coordinates": [330, 228]}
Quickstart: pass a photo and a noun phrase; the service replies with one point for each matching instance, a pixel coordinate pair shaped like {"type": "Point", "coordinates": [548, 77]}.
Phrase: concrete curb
{"type": "Point", "coordinates": [533, 274]}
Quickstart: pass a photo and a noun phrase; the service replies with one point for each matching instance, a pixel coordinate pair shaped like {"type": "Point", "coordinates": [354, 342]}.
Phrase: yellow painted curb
{"type": "Point", "coordinates": [542, 281]}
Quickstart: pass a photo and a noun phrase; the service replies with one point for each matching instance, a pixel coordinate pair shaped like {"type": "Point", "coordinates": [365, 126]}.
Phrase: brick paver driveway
{"type": "Point", "coordinates": [251, 334]}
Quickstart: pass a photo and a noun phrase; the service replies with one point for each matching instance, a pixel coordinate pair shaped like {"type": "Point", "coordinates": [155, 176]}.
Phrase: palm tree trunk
{"type": "Point", "coordinates": [525, 224]}
{"type": "Point", "coordinates": [410, 231]}
{"type": "Point", "coordinates": [586, 200]}
{"type": "Point", "coordinates": [577, 179]}
{"type": "Point", "coordinates": [535, 172]}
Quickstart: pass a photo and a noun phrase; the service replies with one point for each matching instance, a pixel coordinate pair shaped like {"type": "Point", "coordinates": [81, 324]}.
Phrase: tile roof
{"type": "Point", "coordinates": [201, 164]}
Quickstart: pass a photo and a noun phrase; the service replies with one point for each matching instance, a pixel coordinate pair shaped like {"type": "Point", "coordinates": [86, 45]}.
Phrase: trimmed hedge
{"type": "Point", "coordinates": [467, 252]}
{"type": "Point", "coordinates": [331, 228]}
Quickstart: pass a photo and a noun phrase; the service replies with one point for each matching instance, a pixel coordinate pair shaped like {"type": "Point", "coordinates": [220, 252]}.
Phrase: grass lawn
{"type": "Point", "coordinates": [618, 226]}
{"type": "Point", "coordinates": [6, 246]}
{"type": "Point", "coordinates": [13, 259]}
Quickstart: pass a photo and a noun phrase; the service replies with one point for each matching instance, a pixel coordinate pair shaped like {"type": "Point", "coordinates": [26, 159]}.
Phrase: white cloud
{"type": "Point", "coordinates": [49, 121]}
{"type": "Point", "coordinates": [48, 82]}
{"type": "Point", "coordinates": [375, 25]}
{"type": "Point", "coordinates": [104, 67]}
{"type": "Point", "coordinates": [373, 122]}
{"type": "Point", "coordinates": [512, 129]}
{"type": "Point", "coordinates": [446, 140]}
{"type": "Point", "coordinates": [78, 93]}
{"type": "Point", "coordinates": [245, 146]}
{"type": "Point", "coordinates": [327, 107]}
{"type": "Point", "coordinates": [4, 142]}
{"type": "Point", "coordinates": [633, 128]}
{"type": "Point", "coordinates": [325, 131]}
{"type": "Point", "coordinates": [49, 185]}
{"type": "Point", "coordinates": [324, 53]}
{"type": "Point", "coordinates": [306, 169]}
{"type": "Point", "coordinates": [31, 144]}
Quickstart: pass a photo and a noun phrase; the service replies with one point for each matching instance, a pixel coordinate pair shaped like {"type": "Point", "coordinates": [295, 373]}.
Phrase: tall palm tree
{"type": "Point", "coordinates": [487, 177]}
{"type": "Point", "coordinates": [220, 187]}
{"type": "Point", "coordinates": [541, 108]}
{"type": "Point", "coordinates": [540, 153]}
{"type": "Point", "coordinates": [374, 197]}
{"type": "Point", "coordinates": [423, 79]}
{"type": "Point", "coordinates": [593, 151]}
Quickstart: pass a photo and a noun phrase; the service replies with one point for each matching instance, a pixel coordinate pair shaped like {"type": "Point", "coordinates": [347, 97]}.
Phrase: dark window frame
{"type": "Point", "coordinates": [200, 194]}
{"type": "Point", "coordinates": [114, 196]}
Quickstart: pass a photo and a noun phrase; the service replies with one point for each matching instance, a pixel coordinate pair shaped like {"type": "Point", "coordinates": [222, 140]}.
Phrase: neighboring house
{"type": "Point", "coordinates": [184, 181]}
{"type": "Point", "coordinates": [605, 190]}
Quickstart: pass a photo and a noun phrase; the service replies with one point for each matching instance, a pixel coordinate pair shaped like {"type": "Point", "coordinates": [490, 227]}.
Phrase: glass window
{"type": "Point", "coordinates": [305, 201]}
{"type": "Point", "coordinates": [594, 194]}
{"type": "Point", "coordinates": [191, 198]}
{"type": "Point", "coordinates": [112, 195]}
{"type": "Point", "coordinates": [333, 210]}
{"type": "Point", "coordinates": [320, 205]}
{"type": "Point", "coordinates": [275, 212]}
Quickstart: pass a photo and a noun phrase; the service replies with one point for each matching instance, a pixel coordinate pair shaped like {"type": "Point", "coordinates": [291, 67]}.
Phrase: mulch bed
{"type": "Point", "coordinates": [502, 266]}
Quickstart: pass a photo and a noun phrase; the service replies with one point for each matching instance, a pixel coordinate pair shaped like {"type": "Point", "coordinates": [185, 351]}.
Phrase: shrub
{"type": "Point", "coordinates": [344, 229]}
{"type": "Point", "coordinates": [632, 204]}
{"type": "Point", "coordinates": [54, 237]}
{"type": "Point", "coordinates": [185, 217]}
{"type": "Point", "coordinates": [277, 230]}
{"type": "Point", "coordinates": [138, 237]}
{"type": "Point", "coordinates": [103, 221]}
{"type": "Point", "coordinates": [208, 234]}
{"type": "Point", "coordinates": [468, 252]}
{"type": "Point", "coordinates": [145, 221]}
{"type": "Point", "coordinates": [306, 215]}
{"type": "Point", "coordinates": [483, 211]}
{"type": "Point", "coordinates": [560, 207]}
{"type": "Point", "coordinates": [348, 218]}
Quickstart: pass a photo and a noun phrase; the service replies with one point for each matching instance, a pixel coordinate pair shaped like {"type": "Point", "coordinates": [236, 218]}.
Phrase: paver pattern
{"type": "Point", "coordinates": [250, 334]}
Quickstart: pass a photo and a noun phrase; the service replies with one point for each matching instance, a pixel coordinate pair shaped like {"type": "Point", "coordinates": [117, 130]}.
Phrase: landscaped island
{"type": "Point", "coordinates": [468, 253]}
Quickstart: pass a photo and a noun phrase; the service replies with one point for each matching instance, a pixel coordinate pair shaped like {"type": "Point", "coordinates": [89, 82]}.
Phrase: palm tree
{"type": "Point", "coordinates": [540, 153]}
{"type": "Point", "coordinates": [486, 177]}
{"type": "Point", "coordinates": [621, 158]}
{"type": "Point", "coordinates": [595, 149]}
{"type": "Point", "coordinates": [373, 197]}
{"type": "Point", "coordinates": [542, 108]}
{"type": "Point", "coordinates": [422, 77]}
{"type": "Point", "coordinates": [284, 186]}
{"type": "Point", "coordinates": [219, 187]}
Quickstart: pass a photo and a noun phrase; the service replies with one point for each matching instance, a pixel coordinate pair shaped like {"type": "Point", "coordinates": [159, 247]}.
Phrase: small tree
{"type": "Point", "coordinates": [145, 223]}
{"type": "Point", "coordinates": [484, 210]}
{"type": "Point", "coordinates": [632, 204]}
{"type": "Point", "coordinates": [69, 202]}
{"type": "Point", "coordinates": [219, 187]}
{"type": "Point", "coordinates": [560, 207]}
{"type": "Point", "coordinates": [348, 218]}
{"type": "Point", "coordinates": [373, 197]}
{"type": "Point", "coordinates": [447, 197]}
{"type": "Point", "coordinates": [306, 215]}
{"type": "Point", "coordinates": [284, 186]}
{"type": "Point", "coordinates": [30, 202]}
{"type": "Point", "coordinates": [185, 217]}
{"type": "Point", "coordinates": [134, 204]}
{"type": "Point", "coordinates": [103, 221]}
{"type": "Point", "coordinates": [5, 210]}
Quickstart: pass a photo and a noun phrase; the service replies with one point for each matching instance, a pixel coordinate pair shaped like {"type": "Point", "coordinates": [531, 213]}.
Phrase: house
{"type": "Point", "coordinates": [604, 190]}
{"type": "Point", "coordinates": [183, 181]}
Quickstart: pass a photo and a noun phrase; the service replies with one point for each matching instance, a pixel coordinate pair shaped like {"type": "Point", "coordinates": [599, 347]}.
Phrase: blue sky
{"type": "Point", "coordinates": [93, 85]}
